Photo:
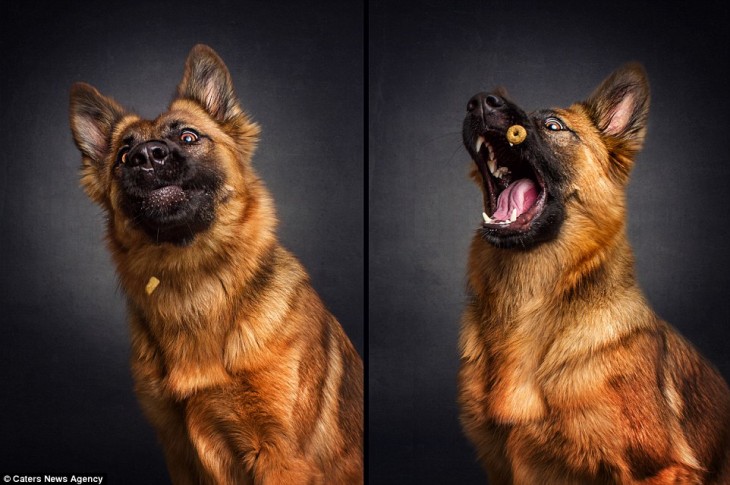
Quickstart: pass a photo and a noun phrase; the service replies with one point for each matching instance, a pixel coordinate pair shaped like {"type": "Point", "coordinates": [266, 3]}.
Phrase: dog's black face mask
{"type": "Point", "coordinates": [520, 175]}
{"type": "Point", "coordinates": [167, 188]}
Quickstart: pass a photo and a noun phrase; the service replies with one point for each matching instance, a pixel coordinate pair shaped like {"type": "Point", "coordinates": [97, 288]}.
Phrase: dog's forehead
{"type": "Point", "coordinates": [542, 113]}
{"type": "Point", "coordinates": [125, 126]}
{"type": "Point", "coordinates": [575, 114]}
{"type": "Point", "coordinates": [190, 116]}
{"type": "Point", "coordinates": [134, 127]}
{"type": "Point", "coordinates": [139, 128]}
{"type": "Point", "coordinates": [143, 128]}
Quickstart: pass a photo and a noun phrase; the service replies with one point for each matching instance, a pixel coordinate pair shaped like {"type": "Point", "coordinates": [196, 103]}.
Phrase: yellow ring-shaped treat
{"type": "Point", "coordinates": [516, 134]}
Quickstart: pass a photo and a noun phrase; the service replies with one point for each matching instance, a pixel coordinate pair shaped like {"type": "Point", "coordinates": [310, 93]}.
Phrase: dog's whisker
{"type": "Point", "coordinates": [453, 154]}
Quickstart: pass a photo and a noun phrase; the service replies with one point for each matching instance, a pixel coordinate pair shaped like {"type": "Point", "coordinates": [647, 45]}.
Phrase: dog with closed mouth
{"type": "Point", "coordinates": [245, 375]}
{"type": "Point", "coordinates": [567, 376]}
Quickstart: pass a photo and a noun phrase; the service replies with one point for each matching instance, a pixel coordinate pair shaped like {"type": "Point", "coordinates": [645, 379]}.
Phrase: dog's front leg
{"type": "Point", "coordinates": [181, 458]}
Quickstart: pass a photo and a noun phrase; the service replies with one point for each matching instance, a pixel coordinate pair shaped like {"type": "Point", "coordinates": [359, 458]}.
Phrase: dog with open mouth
{"type": "Point", "coordinates": [521, 199]}
{"type": "Point", "coordinates": [567, 376]}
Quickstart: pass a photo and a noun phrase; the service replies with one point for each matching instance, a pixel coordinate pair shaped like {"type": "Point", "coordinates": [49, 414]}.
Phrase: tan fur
{"type": "Point", "coordinates": [567, 375]}
{"type": "Point", "coordinates": [239, 366]}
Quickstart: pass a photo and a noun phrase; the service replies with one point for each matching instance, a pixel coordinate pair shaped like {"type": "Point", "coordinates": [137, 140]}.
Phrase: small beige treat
{"type": "Point", "coordinates": [516, 134]}
{"type": "Point", "coordinates": [151, 285]}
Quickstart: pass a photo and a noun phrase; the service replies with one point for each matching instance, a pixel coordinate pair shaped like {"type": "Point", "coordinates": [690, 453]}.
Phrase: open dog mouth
{"type": "Point", "coordinates": [514, 189]}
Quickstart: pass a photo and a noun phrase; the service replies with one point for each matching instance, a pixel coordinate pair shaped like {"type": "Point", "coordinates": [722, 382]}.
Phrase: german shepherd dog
{"type": "Point", "coordinates": [567, 376]}
{"type": "Point", "coordinates": [245, 375]}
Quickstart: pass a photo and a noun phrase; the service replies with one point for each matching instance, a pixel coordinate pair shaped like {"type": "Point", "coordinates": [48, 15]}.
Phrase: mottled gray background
{"type": "Point", "coordinates": [66, 402]}
{"type": "Point", "coordinates": [427, 59]}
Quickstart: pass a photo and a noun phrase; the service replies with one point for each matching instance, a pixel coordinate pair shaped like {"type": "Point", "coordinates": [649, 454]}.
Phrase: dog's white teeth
{"type": "Point", "coordinates": [500, 172]}
{"type": "Point", "coordinates": [486, 218]}
{"type": "Point", "coordinates": [513, 216]}
{"type": "Point", "coordinates": [480, 142]}
{"type": "Point", "coordinates": [491, 151]}
{"type": "Point", "coordinates": [510, 144]}
{"type": "Point", "coordinates": [492, 164]}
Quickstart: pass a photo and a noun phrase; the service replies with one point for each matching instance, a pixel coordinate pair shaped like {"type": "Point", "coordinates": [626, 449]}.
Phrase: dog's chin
{"type": "Point", "coordinates": [543, 227]}
{"type": "Point", "coordinates": [171, 214]}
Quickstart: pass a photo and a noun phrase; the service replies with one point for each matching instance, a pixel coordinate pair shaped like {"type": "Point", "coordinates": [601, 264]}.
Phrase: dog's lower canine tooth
{"type": "Point", "coordinates": [492, 164]}
{"type": "Point", "coordinates": [487, 219]}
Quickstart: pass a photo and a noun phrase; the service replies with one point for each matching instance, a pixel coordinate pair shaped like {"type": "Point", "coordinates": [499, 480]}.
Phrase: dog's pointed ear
{"type": "Point", "coordinates": [207, 81]}
{"type": "Point", "coordinates": [93, 117]}
{"type": "Point", "coordinates": [619, 107]}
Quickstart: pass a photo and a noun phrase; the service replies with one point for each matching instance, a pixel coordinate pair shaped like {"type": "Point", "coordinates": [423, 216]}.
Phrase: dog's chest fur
{"type": "Point", "coordinates": [533, 378]}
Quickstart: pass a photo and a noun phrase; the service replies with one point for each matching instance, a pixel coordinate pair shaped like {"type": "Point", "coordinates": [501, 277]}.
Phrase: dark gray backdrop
{"type": "Point", "coordinates": [67, 402]}
{"type": "Point", "coordinates": [426, 60]}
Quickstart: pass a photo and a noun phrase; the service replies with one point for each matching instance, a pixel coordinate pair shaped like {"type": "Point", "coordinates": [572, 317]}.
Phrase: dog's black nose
{"type": "Point", "coordinates": [484, 102]}
{"type": "Point", "coordinates": [149, 155]}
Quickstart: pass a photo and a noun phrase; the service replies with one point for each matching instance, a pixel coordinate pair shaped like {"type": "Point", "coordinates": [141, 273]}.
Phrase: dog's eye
{"type": "Point", "coordinates": [554, 124]}
{"type": "Point", "coordinates": [122, 155]}
{"type": "Point", "coordinates": [189, 136]}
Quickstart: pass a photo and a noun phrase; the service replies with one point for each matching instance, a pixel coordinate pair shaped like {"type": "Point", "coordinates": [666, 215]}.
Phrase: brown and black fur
{"type": "Point", "coordinates": [567, 375]}
{"type": "Point", "coordinates": [243, 372]}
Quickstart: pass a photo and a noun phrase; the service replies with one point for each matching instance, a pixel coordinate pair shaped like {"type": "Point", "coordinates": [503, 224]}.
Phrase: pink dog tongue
{"type": "Point", "coordinates": [520, 194]}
